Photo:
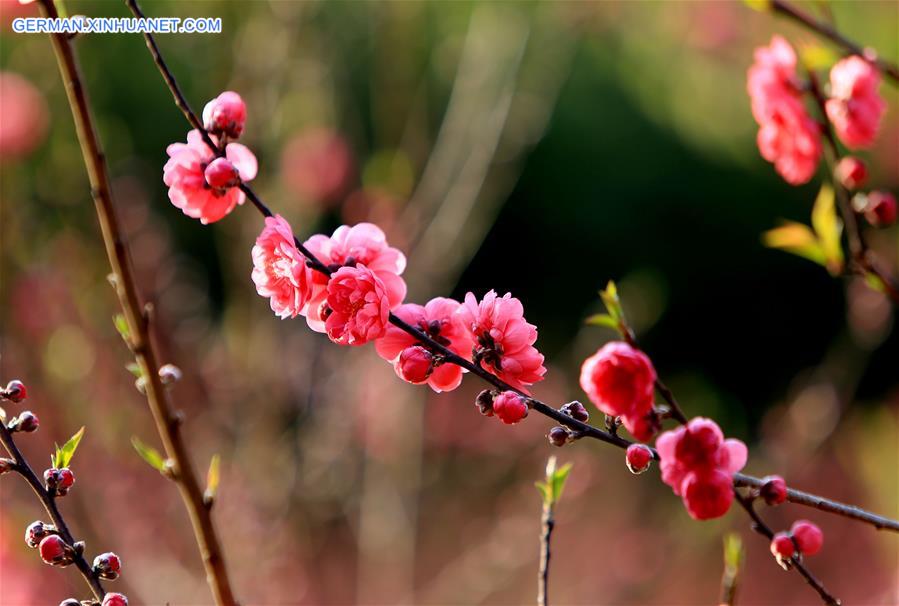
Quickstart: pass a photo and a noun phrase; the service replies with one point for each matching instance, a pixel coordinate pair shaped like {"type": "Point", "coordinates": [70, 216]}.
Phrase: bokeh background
{"type": "Point", "coordinates": [539, 148]}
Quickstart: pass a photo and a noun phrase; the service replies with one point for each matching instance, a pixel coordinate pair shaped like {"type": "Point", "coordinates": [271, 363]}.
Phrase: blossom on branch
{"type": "Point", "coordinates": [699, 464]}
{"type": "Point", "coordinates": [279, 270]}
{"type": "Point", "coordinates": [185, 173]}
{"type": "Point", "coordinates": [364, 244]}
{"type": "Point", "coordinates": [855, 107]}
{"type": "Point", "coordinates": [788, 137]}
{"type": "Point", "coordinates": [357, 306]}
{"type": "Point", "coordinates": [503, 340]}
{"type": "Point", "coordinates": [439, 319]}
{"type": "Point", "coordinates": [225, 115]}
{"type": "Point", "coordinates": [620, 380]}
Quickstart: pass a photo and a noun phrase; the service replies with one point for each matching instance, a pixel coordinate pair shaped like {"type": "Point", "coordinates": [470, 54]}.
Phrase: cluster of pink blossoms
{"type": "Point", "coordinates": [352, 303]}
{"type": "Point", "coordinates": [699, 466]}
{"type": "Point", "coordinates": [788, 136]}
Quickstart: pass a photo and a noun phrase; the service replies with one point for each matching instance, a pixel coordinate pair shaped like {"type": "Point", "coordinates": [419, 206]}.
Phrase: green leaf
{"type": "Point", "coordinates": [733, 551]}
{"type": "Point", "coordinates": [64, 455]}
{"type": "Point", "coordinates": [121, 325]}
{"type": "Point", "coordinates": [816, 57]}
{"type": "Point", "coordinates": [610, 298]}
{"type": "Point", "coordinates": [543, 489]}
{"type": "Point", "coordinates": [875, 282]}
{"type": "Point", "coordinates": [829, 228]}
{"type": "Point", "coordinates": [212, 479]}
{"type": "Point", "coordinates": [134, 368]}
{"type": "Point", "coordinates": [149, 454]}
{"type": "Point", "coordinates": [559, 477]}
{"type": "Point", "coordinates": [603, 320]}
{"type": "Point", "coordinates": [795, 238]}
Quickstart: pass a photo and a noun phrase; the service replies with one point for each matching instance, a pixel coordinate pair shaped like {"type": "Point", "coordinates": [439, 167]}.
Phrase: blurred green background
{"type": "Point", "coordinates": [539, 148]}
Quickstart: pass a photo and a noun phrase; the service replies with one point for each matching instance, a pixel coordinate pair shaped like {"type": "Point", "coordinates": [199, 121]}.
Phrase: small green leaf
{"type": "Point", "coordinates": [603, 320]}
{"type": "Point", "coordinates": [817, 57]}
{"type": "Point", "coordinates": [874, 282]}
{"type": "Point", "coordinates": [543, 489]}
{"type": "Point", "coordinates": [64, 455]}
{"type": "Point", "coordinates": [212, 479]}
{"type": "Point", "coordinates": [149, 454]}
{"type": "Point", "coordinates": [795, 238]}
{"type": "Point", "coordinates": [559, 477]}
{"type": "Point", "coordinates": [134, 368]}
{"type": "Point", "coordinates": [829, 229]}
{"type": "Point", "coordinates": [121, 325]}
{"type": "Point", "coordinates": [610, 298]}
{"type": "Point", "coordinates": [733, 551]}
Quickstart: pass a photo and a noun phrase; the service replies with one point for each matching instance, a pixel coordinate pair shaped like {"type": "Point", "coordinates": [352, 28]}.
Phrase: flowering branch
{"type": "Point", "coordinates": [579, 429]}
{"type": "Point", "coordinates": [21, 467]}
{"type": "Point", "coordinates": [828, 31]}
{"type": "Point", "coordinates": [137, 317]}
{"type": "Point", "coordinates": [795, 561]}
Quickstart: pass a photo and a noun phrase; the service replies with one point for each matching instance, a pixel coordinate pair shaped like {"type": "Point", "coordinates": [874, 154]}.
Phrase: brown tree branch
{"type": "Point", "coordinates": [763, 529]}
{"type": "Point", "coordinates": [168, 423]}
{"type": "Point", "coordinates": [49, 502]}
{"type": "Point", "coordinates": [826, 30]}
{"type": "Point", "coordinates": [583, 430]}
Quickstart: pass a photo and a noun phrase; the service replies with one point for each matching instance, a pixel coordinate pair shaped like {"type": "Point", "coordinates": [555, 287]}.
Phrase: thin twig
{"type": "Point", "coordinates": [825, 29]}
{"type": "Point", "coordinates": [863, 260]}
{"type": "Point", "coordinates": [582, 429]}
{"type": "Point", "coordinates": [547, 524]}
{"type": "Point", "coordinates": [49, 502]}
{"type": "Point", "coordinates": [168, 423]}
{"type": "Point", "coordinates": [763, 529]}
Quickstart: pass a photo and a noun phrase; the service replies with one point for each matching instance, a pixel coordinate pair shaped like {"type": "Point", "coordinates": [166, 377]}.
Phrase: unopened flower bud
{"type": "Point", "coordinates": [55, 551]}
{"type": "Point", "coordinates": [558, 436]}
{"type": "Point", "coordinates": [15, 391]}
{"type": "Point", "coordinates": [36, 531]}
{"type": "Point", "coordinates": [774, 490]}
{"type": "Point", "coordinates": [115, 599]}
{"type": "Point", "coordinates": [484, 402]}
{"type": "Point", "coordinates": [414, 364]}
{"type": "Point", "coordinates": [26, 422]}
{"type": "Point", "coordinates": [221, 174]}
{"type": "Point", "coordinates": [510, 407]}
{"type": "Point", "coordinates": [880, 210]}
{"type": "Point", "coordinates": [169, 374]}
{"type": "Point", "coordinates": [782, 547]}
{"type": "Point", "coordinates": [576, 411]}
{"type": "Point", "coordinates": [851, 172]}
{"type": "Point", "coordinates": [107, 566]}
{"type": "Point", "coordinates": [808, 537]}
{"type": "Point", "coordinates": [225, 115]}
{"type": "Point", "coordinates": [638, 458]}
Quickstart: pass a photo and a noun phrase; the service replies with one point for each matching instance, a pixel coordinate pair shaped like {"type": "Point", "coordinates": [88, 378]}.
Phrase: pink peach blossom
{"type": "Point", "coordinates": [318, 166]}
{"type": "Point", "coordinates": [279, 270]}
{"type": "Point", "coordinates": [363, 243]}
{"type": "Point", "coordinates": [23, 116]}
{"type": "Point", "coordinates": [855, 107]}
{"type": "Point", "coordinates": [788, 137]}
{"type": "Point", "coordinates": [503, 340]}
{"type": "Point", "coordinates": [620, 380]}
{"type": "Point", "coordinates": [184, 173]}
{"type": "Point", "coordinates": [358, 307]}
{"type": "Point", "coordinates": [225, 115]}
{"type": "Point", "coordinates": [694, 459]}
{"type": "Point", "coordinates": [439, 320]}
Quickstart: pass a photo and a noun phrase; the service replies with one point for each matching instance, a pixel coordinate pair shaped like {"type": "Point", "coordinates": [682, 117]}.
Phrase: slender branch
{"type": "Point", "coordinates": [763, 529]}
{"type": "Point", "coordinates": [864, 261]}
{"type": "Point", "coordinates": [547, 524]}
{"type": "Point", "coordinates": [168, 423]}
{"type": "Point", "coordinates": [825, 29]}
{"type": "Point", "coordinates": [583, 430]}
{"type": "Point", "coordinates": [49, 502]}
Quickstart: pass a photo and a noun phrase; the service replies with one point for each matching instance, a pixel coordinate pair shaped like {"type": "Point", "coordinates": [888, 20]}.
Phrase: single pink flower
{"type": "Point", "coordinates": [225, 115]}
{"type": "Point", "coordinates": [358, 307]}
{"type": "Point", "coordinates": [698, 463]}
{"type": "Point", "coordinates": [855, 107]}
{"type": "Point", "coordinates": [503, 340]}
{"type": "Point", "coordinates": [189, 190]}
{"type": "Point", "coordinates": [440, 320]}
{"type": "Point", "coordinates": [279, 270]}
{"type": "Point", "coordinates": [788, 137]}
{"type": "Point", "coordinates": [620, 381]}
{"type": "Point", "coordinates": [363, 243]}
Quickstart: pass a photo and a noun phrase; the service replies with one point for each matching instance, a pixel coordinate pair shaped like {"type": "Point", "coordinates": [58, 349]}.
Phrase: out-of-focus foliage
{"type": "Point", "coordinates": [542, 148]}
